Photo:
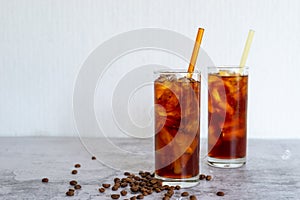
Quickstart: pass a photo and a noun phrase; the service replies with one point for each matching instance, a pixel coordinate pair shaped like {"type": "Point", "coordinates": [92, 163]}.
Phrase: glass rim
{"type": "Point", "coordinates": [175, 71]}
{"type": "Point", "coordinates": [227, 67]}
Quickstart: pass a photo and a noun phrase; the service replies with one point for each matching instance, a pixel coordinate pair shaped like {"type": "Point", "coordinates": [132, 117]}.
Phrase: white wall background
{"type": "Point", "coordinates": [44, 43]}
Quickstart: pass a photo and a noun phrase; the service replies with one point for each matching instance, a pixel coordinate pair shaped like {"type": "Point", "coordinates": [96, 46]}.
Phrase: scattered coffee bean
{"type": "Point", "coordinates": [117, 180]}
{"type": "Point", "coordinates": [220, 193]}
{"type": "Point", "coordinates": [140, 196]}
{"type": "Point", "coordinates": [170, 192]}
{"type": "Point", "coordinates": [77, 187]}
{"type": "Point", "coordinates": [115, 196]}
{"type": "Point", "coordinates": [101, 190]}
{"type": "Point", "coordinates": [168, 195]}
{"type": "Point", "coordinates": [166, 187]}
{"type": "Point", "coordinates": [208, 177]}
{"type": "Point", "coordinates": [145, 193]}
{"type": "Point", "coordinates": [71, 189]}
{"type": "Point", "coordinates": [93, 158]}
{"type": "Point", "coordinates": [45, 180]}
{"type": "Point", "coordinates": [123, 192]}
{"type": "Point", "coordinates": [73, 182]}
{"type": "Point", "coordinates": [133, 198]}
{"type": "Point", "coordinates": [202, 176]}
{"type": "Point", "coordinates": [185, 194]}
{"type": "Point", "coordinates": [177, 187]}
{"type": "Point", "coordinates": [115, 188]}
{"type": "Point", "coordinates": [166, 198]}
{"type": "Point", "coordinates": [193, 197]}
{"type": "Point", "coordinates": [124, 184]}
{"type": "Point", "coordinates": [158, 190]}
{"type": "Point", "coordinates": [106, 185]}
{"type": "Point", "coordinates": [77, 165]}
{"type": "Point", "coordinates": [126, 173]}
{"type": "Point", "coordinates": [134, 189]}
{"type": "Point", "coordinates": [74, 171]}
{"type": "Point", "coordinates": [70, 193]}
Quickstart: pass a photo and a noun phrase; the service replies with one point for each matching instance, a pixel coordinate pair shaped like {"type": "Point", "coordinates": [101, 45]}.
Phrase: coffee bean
{"type": "Point", "coordinates": [148, 177]}
{"type": "Point", "coordinates": [124, 184]}
{"type": "Point", "coordinates": [166, 198]}
{"type": "Point", "coordinates": [71, 189]}
{"type": "Point", "coordinates": [77, 165]}
{"type": "Point", "coordinates": [106, 185]}
{"type": "Point", "coordinates": [134, 189]}
{"type": "Point", "coordinates": [73, 182]}
{"type": "Point", "coordinates": [153, 181]}
{"type": "Point", "coordinates": [145, 193]}
{"type": "Point", "coordinates": [170, 192]}
{"type": "Point", "coordinates": [45, 180]}
{"type": "Point", "coordinates": [177, 187]}
{"type": "Point", "coordinates": [185, 194]}
{"type": "Point", "coordinates": [126, 173]}
{"type": "Point", "coordinates": [115, 196]}
{"type": "Point", "coordinates": [74, 171]}
{"type": "Point", "coordinates": [70, 193]}
{"type": "Point", "coordinates": [220, 193]}
{"type": "Point", "coordinates": [141, 172]}
{"type": "Point", "coordinates": [158, 190]}
{"type": "Point", "coordinates": [123, 192]}
{"type": "Point", "coordinates": [93, 158]}
{"type": "Point", "coordinates": [193, 197]}
{"type": "Point", "coordinates": [166, 187]}
{"type": "Point", "coordinates": [143, 189]}
{"type": "Point", "coordinates": [202, 176]}
{"type": "Point", "coordinates": [129, 179]}
{"type": "Point", "coordinates": [117, 180]}
{"type": "Point", "coordinates": [208, 177]}
{"type": "Point", "coordinates": [115, 188]}
{"type": "Point", "coordinates": [77, 187]}
{"type": "Point", "coordinates": [101, 190]}
{"type": "Point", "coordinates": [123, 180]}
{"type": "Point", "coordinates": [140, 196]}
{"type": "Point", "coordinates": [133, 198]}
{"type": "Point", "coordinates": [167, 195]}
{"type": "Point", "coordinates": [147, 173]}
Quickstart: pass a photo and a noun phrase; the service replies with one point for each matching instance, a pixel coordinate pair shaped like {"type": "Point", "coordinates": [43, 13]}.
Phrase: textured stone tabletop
{"type": "Point", "coordinates": [272, 170]}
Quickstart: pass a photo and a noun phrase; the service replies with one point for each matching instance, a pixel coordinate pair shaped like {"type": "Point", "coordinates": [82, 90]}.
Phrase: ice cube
{"type": "Point", "coordinates": [215, 94]}
{"type": "Point", "coordinates": [187, 146]}
{"type": "Point", "coordinates": [161, 79]}
{"type": "Point", "coordinates": [190, 124]}
{"type": "Point", "coordinates": [226, 73]}
{"type": "Point", "coordinates": [180, 163]}
{"type": "Point", "coordinates": [184, 80]}
{"type": "Point", "coordinates": [229, 109]}
{"type": "Point", "coordinates": [165, 136]}
{"type": "Point", "coordinates": [170, 100]}
{"type": "Point", "coordinates": [160, 117]}
{"type": "Point", "coordinates": [172, 77]}
{"type": "Point", "coordinates": [166, 77]}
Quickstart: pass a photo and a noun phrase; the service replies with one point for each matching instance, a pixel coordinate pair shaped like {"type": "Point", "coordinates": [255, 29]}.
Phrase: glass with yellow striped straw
{"type": "Point", "coordinates": [227, 113]}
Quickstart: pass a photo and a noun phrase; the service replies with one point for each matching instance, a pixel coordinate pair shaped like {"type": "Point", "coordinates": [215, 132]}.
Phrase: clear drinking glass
{"type": "Point", "coordinates": [177, 127]}
{"type": "Point", "coordinates": [227, 116]}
